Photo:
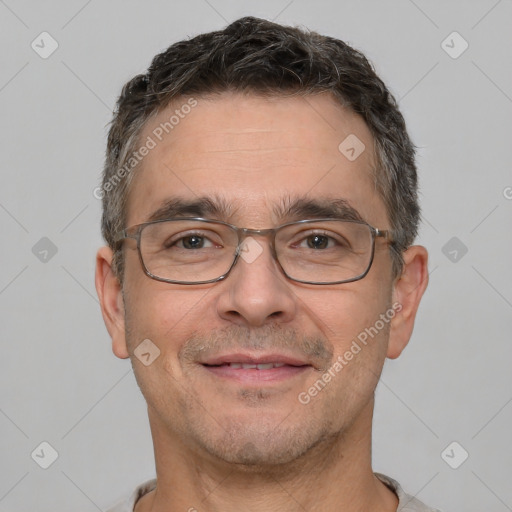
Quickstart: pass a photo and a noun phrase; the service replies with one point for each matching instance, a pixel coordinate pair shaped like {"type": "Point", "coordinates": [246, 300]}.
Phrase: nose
{"type": "Point", "coordinates": [256, 291]}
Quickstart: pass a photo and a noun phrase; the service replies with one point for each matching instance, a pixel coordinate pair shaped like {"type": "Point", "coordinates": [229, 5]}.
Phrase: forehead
{"type": "Point", "coordinates": [255, 153]}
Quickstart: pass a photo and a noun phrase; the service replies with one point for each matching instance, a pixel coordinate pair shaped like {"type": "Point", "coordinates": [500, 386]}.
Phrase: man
{"type": "Point", "coordinates": [260, 207]}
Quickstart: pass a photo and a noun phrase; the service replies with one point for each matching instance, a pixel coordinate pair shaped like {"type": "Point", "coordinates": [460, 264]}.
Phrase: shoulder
{"type": "Point", "coordinates": [406, 502]}
{"type": "Point", "coordinates": [128, 504]}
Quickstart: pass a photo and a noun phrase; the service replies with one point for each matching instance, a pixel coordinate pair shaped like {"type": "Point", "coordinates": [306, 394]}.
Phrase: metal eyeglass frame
{"type": "Point", "coordinates": [134, 232]}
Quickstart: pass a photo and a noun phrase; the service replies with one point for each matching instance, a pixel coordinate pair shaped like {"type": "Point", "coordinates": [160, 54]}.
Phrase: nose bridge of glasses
{"type": "Point", "coordinates": [244, 233]}
{"type": "Point", "coordinates": [258, 232]}
{"type": "Point", "coordinates": [268, 233]}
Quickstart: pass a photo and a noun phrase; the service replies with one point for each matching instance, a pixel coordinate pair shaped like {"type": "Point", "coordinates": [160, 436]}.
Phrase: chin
{"type": "Point", "coordinates": [257, 447]}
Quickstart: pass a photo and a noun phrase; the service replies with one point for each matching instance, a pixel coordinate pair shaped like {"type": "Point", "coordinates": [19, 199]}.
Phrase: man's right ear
{"type": "Point", "coordinates": [110, 294]}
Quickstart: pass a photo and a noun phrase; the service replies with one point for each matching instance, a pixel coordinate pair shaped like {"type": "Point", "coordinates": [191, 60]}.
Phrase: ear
{"type": "Point", "coordinates": [109, 292]}
{"type": "Point", "coordinates": [407, 292]}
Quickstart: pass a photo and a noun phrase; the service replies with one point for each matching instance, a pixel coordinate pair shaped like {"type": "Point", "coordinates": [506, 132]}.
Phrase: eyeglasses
{"type": "Point", "coordinates": [194, 250]}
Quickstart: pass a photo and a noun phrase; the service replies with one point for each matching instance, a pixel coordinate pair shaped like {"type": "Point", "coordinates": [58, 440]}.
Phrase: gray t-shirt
{"type": "Point", "coordinates": [406, 503]}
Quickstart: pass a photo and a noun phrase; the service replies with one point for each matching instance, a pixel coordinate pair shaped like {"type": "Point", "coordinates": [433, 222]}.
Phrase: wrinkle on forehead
{"type": "Point", "coordinates": [251, 121]}
{"type": "Point", "coordinates": [253, 152]}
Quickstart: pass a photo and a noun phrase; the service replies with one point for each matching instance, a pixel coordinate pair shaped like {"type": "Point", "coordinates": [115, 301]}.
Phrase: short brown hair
{"type": "Point", "coordinates": [252, 55]}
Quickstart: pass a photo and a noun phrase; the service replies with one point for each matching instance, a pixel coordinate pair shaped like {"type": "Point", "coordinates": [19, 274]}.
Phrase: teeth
{"type": "Point", "coordinates": [265, 366]}
{"type": "Point", "coordinates": [251, 366]}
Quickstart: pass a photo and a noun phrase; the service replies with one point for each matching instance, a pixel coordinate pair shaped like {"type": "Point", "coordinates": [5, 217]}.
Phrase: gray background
{"type": "Point", "coordinates": [59, 381]}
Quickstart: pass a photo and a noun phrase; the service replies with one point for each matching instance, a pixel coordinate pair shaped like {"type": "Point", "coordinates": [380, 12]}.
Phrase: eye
{"type": "Point", "coordinates": [190, 242]}
{"type": "Point", "coordinates": [318, 241]}
{"type": "Point", "coordinates": [194, 242]}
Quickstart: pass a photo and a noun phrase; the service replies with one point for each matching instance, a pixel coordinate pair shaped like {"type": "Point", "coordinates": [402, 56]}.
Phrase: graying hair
{"type": "Point", "coordinates": [256, 56]}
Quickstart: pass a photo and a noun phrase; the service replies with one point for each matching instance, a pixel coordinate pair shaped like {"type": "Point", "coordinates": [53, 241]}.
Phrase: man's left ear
{"type": "Point", "coordinates": [407, 292]}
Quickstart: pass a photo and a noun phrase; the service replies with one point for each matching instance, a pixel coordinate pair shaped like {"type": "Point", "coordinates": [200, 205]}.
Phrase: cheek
{"type": "Point", "coordinates": [165, 314]}
{"type": "Point", "coordinates": [157, 315]}
{"type": "Point", "coordinates": [342, 314]}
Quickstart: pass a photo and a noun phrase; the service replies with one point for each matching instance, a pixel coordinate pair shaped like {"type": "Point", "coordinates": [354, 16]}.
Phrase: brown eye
{"type": "Point", "coordinates": [318, 242]}
{"type": "Point", "coordinates": [193, 242]}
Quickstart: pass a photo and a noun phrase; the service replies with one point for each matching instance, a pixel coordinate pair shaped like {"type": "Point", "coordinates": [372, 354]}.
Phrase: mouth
{"type": "Point", "coordinates": [247, 369]}
{"type": "Point", "coordinates": [253, 366]}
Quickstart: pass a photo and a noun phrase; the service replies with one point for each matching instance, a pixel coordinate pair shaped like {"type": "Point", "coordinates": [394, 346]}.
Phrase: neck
{"type": "Point", "coordinates": [334, 475]}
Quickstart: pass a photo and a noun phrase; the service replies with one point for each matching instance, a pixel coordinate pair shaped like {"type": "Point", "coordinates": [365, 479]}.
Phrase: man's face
{"type": "Point", "coordinates": [255, 157]}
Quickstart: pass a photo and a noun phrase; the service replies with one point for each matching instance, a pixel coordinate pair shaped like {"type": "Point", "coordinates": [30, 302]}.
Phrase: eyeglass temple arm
{"type": "Point", "coordinates": [123, 234]}
{"type": "Point", "coordinates": [387, 234]}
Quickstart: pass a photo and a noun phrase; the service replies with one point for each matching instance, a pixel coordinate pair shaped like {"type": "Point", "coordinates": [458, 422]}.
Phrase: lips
{"type": "Point", "coordinates": [255, 361]}
{"type": "Point", "coordinates": [250, 366]}
{"type": "Point", "coordinates": [256, 369]}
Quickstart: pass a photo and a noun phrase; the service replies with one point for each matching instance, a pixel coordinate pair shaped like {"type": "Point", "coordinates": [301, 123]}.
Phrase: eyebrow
{"type": "Point", "coordinates": [305, 208]}
{"type": "Point", "coordinates": [215, 207]}
{"type": "Point", "coordinates": [288, 210]}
